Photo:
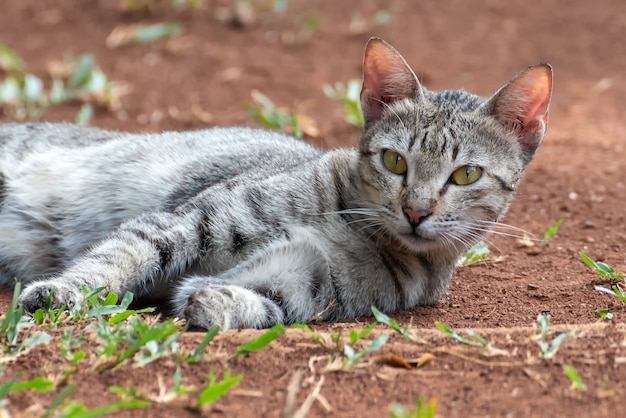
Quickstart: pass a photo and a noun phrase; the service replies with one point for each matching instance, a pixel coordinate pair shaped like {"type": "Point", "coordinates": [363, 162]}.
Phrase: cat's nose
{"type": "Point", "coordinates": [416, 217]}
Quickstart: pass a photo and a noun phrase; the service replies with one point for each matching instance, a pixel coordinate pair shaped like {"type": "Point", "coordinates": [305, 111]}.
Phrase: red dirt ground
{"type": "Point", "coordinates": [577, 176]}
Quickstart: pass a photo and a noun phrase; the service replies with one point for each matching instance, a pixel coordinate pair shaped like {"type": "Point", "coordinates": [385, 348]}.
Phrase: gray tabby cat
{"type": "Point", "coordinates": [248, 228]}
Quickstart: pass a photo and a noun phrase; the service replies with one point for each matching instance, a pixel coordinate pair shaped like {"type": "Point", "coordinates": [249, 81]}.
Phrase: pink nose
{"type": "Point", "coordinates": [416, 217]}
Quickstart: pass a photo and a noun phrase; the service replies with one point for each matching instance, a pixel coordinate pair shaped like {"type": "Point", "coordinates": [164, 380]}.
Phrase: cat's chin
{"type": "Point", "coordinates": [419, 243]}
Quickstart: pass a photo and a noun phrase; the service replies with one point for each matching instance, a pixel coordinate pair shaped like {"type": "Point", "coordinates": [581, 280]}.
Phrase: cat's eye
{"type": "Point", "coordinates": [394, 162]}
{"type": "Point", "coordinates": [465, 175]}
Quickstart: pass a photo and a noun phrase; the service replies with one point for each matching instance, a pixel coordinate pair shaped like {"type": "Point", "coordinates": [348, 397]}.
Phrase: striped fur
{"type": "Point", "coordinates": [249, 228]}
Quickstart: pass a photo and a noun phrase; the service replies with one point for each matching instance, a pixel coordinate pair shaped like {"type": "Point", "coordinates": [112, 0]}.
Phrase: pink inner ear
{"type": "Point", "coordinates": [386, 77]}
{"type": "Point", "coordinates": [522, 106]}
{"type": "Point", "coordinates": [526, 99]}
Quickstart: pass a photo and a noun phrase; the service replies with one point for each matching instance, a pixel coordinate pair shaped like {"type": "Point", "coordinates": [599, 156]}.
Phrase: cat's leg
{"type": "Point", "coordinates": [288, 282]}
{"type": "Point", "coordinates": [142, 254]}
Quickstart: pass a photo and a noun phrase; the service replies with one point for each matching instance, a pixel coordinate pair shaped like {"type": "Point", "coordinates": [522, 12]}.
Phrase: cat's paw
{"type": "Point", "coordinates": [37, 294]}
{"type": "Point", "coordinates": [230, 307]}
{"type": "Point", "coordinates": [205, 308]}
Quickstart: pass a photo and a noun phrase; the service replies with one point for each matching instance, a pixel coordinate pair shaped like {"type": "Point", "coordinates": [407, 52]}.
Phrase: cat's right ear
{"type": "Point", "coordinates": [386, 77]}
{"type": "Point", "coordinates": [521, 106]}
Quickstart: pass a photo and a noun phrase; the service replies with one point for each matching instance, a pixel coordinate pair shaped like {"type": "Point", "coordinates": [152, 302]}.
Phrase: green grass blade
{"type": "Point", "coordinates": [40, 384]}
{"type": "Point", "coordinates": [58, 400]}
{"type": "Point", "coordinates": [208, 337]}
{"type": "Point", "coordinates": [355, 335]}
{"type": "Point", "coordinates": [261, 342]}
{"type": "Point", "coordinates": [151, 33]}
{"type": "Point", "coordinates": [450, 333]}
{"type": "Point", "coordinates": [109, 409]}
{"type": "Point", "coordinates": [5, 388]}
{"type": "Point", "coordinates": [384, 319]}
{"type": "Point", "coordinates": [316, 337]}
{"type": "Point", "coordinates": [215, 391]}
{"type": "Point", "coordinates": [574, 377]}
{"type": "Point", "coordinates": [12, 317]}
{"type": "Point", "coordinates": [550, 232]}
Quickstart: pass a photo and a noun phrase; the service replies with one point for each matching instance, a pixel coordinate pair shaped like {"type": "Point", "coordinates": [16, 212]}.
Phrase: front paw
{"type": "Point", "coordinates": [205, 308]}
{"type": "Point", "coordinates": [37, 295]}
{"type": "Point", "coordinates": [230, 307]}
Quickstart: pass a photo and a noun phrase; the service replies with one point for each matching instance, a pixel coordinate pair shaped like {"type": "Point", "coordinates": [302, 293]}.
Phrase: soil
{"type": "Point", "coordinates": [202, 77]}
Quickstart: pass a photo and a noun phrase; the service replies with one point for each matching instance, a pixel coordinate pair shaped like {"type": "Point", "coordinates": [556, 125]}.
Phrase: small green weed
{"type": "Point", "coordinates": [148, 341]}
{"type": "Point", "coordinates": [360, 24]}
{"type": "Point", "coordinates": [356, 335]}
{"type": "Point", "coordinates": [261, 342]}
{"type": "Point", "coordinates": [75, 409]}
{"type": "Point", "coordinates": [549, 349]}
{"type": "Point", "coordinates": [142, 34]}
{"type": "Point", "coordinates": [147, 6]}
{"type": "Point", "coordinates": [197, 355]}
{"type": "Point", "coordinates": [608, 272]}
{"type": "Point", "coordinates": [551, 231]}
{"type": "Point", "coordinates": [474, 255]}
{"type": "Point", "coordinates": [384, 319]}
{"type": "Point", "coordinates": [215, 390]}
{"type": "Point", "coordinates": [353, 356]}
{"type": "Point", "coordinates": [454, 335]}
{"type": "Point", "coordinates": [574, 377]}
{"type": "Point", "coordinates": [15, 319]}
{"type": "Point", "coordinates": [422, 409]}
{"type": "Point", "coordinates": [23, 96]}
{"type": "Point", "coordinates": [604, 314]}
{"type": "Point", "coordinates": [603, 269]}
{"type": "Point", "coordinates": [318, 338]}
{"type": "Point", "coordinates": [348, 95]}
{"type": "Point", "coordinates": [266, 113]}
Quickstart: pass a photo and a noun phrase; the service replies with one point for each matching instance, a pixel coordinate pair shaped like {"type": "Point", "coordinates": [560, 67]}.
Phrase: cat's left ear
{"type": "Point", "coordinates": [522, 105]}
{"type": "Point", "coordinates": [386, 78]}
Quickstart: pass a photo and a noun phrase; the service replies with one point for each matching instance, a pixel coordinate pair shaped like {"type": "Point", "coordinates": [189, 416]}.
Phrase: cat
{"type": "Point", "coordinates": [246, 228]}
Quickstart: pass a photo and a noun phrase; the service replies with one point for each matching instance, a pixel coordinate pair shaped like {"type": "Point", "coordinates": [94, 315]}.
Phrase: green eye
{"type": "Point", "coordinates": [394, 162]}
{"type": "Point", "coordinates": [465, 175]}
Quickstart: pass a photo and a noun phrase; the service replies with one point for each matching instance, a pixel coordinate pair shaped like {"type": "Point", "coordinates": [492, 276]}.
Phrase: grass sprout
{"type": "Point", "coordinates": [422, 409]}
{"type": "Point", "coordinates": [23, 96]}
{"type": "Point", "coordinates": [551, 231]}
{"type": "Point", "coordinates": [147, 6]}
{"type": "Point", "coordinates": [452, 334]}
{"type": "Point", "coordinates": [604, 314]}
{"type": "Point", "coordinates": [391, 323]}
{"type": "Point", "coordinates": [574, 377]}
{"type": "Point", "coordinates": [141, 33]}
{"type": "Point", "coordinates": [352, 356]}
{"type": "Point", "coordinates": [603, 269]}
{"type": "Point", "coordinates": [261, 342]}
{"type": "Point", "coordinates": [348, 95]}
{"type": "Point", "coordinates": [11, 325]}
{"type": "Point", "coordinates": [196, 356]}
{"type": "Point", "coordinates": [318, 338]}
{"type": "Point", "coordinates": [549, 348]}
{"type": "Point", "coordinates": [474, 255]}
{"type": "Point", "coordinates": [215, 390]}
{"type": "Point", "coordinates": [356, 335]}
{"type": "Point", "coordinates": [264, 111]}
{"type": "Point", "coordinates": [360, 24]}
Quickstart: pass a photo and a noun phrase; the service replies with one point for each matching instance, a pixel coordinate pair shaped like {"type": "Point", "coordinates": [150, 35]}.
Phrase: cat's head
{"type": "Point", "coordinates": [440, 167]}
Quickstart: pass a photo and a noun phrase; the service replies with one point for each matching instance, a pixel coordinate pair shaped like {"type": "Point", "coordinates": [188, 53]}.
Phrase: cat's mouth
{"type": "Point", "coordinates": [416, 236]}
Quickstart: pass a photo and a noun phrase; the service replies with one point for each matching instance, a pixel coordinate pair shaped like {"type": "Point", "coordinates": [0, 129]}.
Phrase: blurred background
{"type": "Point", "coordinates": [151, 65]}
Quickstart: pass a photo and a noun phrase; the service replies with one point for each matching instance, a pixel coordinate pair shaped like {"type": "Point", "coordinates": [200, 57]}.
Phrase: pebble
{"type": "Point", "coordinates": [589, 225]}
{"type": "Point", "coordinates": [533, 251]}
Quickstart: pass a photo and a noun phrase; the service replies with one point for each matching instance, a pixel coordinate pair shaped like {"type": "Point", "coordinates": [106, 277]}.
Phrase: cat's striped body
{"type": "Point", "coordinates": [247, 228]}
